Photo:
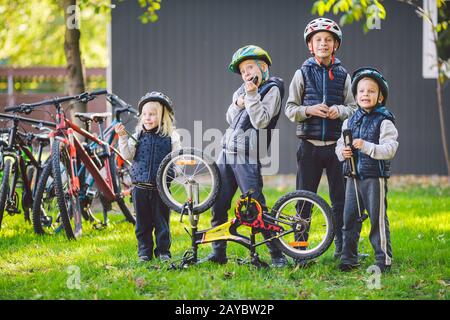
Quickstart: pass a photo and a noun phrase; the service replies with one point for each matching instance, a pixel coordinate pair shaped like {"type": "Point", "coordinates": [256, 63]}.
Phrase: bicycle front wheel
{"type": "Point", "coordinates": [4, 185]}
{"type": "Point", "coordinates": [188, 174]}
{"type": "Point", "coordinates": [68, 203]}
{"type": "Point", "coordinates": [307, 223]}
{"type": "Point", "coordinates": [118, 190]}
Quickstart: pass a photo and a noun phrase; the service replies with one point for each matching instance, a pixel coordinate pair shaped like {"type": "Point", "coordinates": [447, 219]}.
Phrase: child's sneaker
{"type": "Point", "coordinates": [143, 259]}
{"type": "Point", "coordinates": [216, 258]}
{"type": "Point", "coordinates": [346, 267]}
{"type": "Point", "coordinates": [279, 262]}
{"type": "Point", "coordinates": [164, 258]}
{"type": "Point", "coordinates": [383, 267]}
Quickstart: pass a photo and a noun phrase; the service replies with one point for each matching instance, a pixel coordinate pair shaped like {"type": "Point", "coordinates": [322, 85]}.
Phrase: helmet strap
{"type": "Point", "coordinates": [264, 73]}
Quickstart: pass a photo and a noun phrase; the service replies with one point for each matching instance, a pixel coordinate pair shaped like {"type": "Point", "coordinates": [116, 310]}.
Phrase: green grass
{"type": "Point", "coordinates": [35, 267]}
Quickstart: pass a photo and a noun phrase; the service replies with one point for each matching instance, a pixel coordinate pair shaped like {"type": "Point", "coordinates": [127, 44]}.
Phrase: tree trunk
{"type": "Point", "coordinates": [442, 125]}
{"type": "Point", "coordinates": [75, 77]}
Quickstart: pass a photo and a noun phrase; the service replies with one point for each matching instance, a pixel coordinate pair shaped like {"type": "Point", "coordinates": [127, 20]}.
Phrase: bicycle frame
{"type": "Point", "coordinates": [228, 231]}
{"type": "Point", "coordinates": [64, 132]}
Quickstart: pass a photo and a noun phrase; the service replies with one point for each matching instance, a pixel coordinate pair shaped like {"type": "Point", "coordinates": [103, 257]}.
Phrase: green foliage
{"type": "Point", "coordinates": [351, 10]}
{"type": "Point", "coordinates": [32, 31]}
{"type": "Point", "coordinates": [150, 6]}
{"type": "Point", "coordinates": [36, 267]}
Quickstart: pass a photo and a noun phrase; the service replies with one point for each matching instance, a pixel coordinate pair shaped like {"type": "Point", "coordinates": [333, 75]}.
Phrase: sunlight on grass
{"type": "Point", "coordinates": [36, 267]}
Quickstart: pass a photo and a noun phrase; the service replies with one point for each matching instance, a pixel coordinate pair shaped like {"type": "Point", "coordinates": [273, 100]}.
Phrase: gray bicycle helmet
{"type": "Point", "coordinates": [159, 97]}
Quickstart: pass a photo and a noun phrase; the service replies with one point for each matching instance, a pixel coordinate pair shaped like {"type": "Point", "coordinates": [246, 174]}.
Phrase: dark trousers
{"type": "Point", "coordinates": [372, 197]}
{"type": "Point", "coordinates": [311, 161]}
{"type": "Point", "coordinates": [151, 215]}
{"type": "Point", "coordinates": [246, 176]}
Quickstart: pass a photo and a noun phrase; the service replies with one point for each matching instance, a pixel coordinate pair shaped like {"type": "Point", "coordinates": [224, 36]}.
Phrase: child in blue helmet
{"type": "Point", "coordinates": [320, 99]}
{"type": "Point", "coordinates": [154, 138]}
{"type": "Point", "coordinates": [254, 111]}
{"type": "Point", "coordinates": [375, 143]}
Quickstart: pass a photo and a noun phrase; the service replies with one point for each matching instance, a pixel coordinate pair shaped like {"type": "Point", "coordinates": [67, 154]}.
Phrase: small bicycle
{"type": "Point", "coordinates": [300, 223]}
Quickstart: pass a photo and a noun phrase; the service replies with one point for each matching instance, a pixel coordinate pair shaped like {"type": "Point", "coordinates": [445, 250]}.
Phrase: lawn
{"type": "Point", "coordinates": [103, 264]}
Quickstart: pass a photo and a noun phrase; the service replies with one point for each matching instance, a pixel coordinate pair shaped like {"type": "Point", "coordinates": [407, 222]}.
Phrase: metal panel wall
{"type": "Point", "coordinates": [186, 53]}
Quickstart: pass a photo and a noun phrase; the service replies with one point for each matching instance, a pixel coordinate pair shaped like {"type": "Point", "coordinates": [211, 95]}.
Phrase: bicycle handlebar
{"type": "Point", "coordinates": [124, 107]}
{"type": "Point", "coordinates": [38, 122]}
{"type": "Point", "coordinates": [28, 107]}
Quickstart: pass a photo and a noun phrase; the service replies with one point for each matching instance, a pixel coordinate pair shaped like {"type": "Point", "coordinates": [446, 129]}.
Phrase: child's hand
{"type": "Point", "coordinates": [120, 129]}
{"type": "Point", "coordinates": [318, 110]}
{"type": "Point", "coordinates": [250, 87]}
{"type": "Point", "coordinates": [347, 152]}
{"type": "Point", "coordinates": [240, 102]}
{"type": "Point", "coordinates": [358, 143]}
{"type": "Point", "coordinates": [333, 112]}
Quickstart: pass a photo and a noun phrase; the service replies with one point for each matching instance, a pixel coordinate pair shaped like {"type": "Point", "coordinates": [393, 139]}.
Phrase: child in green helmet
{"type": "Point", "coordinates": [373, 144]}
{"type": "Point", "coordinates": [255, 106]}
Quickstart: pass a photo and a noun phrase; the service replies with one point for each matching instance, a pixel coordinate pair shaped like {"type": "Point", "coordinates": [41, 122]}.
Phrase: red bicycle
{"type": "Point", "coordinates": [68, 154]}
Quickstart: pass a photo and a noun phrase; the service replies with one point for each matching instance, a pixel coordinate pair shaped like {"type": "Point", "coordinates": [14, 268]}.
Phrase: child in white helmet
{"type": "Point", "coordinates": [320, 99]}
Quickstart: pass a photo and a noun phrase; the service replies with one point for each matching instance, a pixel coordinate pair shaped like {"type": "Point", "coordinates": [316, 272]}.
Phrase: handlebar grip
{"type": "Point", "coordinates": [99, 92]}
{"type": "Point", "coordinates": [13, 108]}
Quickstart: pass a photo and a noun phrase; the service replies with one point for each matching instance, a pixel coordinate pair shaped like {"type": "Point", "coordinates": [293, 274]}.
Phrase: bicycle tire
{"type": "Point", "coordinates": [324, 244]}
{"type": "Point", "coordinates": [117, 189]}
{"type": "Point", "coordinates": [4, 187]}
{"type": "Point", "coordinates": [164, 191]}
{"type": "Point", "coordinates": [69, 206]}
{"type": "Point", "coordinates": [39, 208]}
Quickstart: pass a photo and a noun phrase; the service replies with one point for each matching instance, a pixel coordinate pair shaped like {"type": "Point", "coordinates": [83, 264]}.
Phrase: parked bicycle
{"type": "Point", "coordinates": [19, 165]}
{"type": "Point", "coordinates": [68, 156]}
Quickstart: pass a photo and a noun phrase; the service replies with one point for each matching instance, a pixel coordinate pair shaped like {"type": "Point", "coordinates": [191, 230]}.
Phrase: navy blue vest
{"type": "Point", "coordinates": [320, 88]}
{"type": "Point", "coordinates": [150, 151]}
{"type": "Point", "coordinates": [367, 126]}
{"type": "Point", "coordinates": [242, 120]}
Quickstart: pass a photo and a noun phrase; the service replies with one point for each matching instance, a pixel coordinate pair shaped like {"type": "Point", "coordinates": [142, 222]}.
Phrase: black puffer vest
{"type": "Point", "coordinates": [319, 88]}
{"type": "Point", "coordinates": [366, 126]}
{"type": "Point", "coordinates": [242, 121]}
{"type": "Point", "coordinates": [150, 151]}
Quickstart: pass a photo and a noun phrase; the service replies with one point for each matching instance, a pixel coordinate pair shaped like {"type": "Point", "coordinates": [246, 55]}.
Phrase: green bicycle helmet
{"type": "Point", "coordinates": [368, 72]}
{"type": "Point", "coordinates": [246, 53]}
{"type": "Point", "coordinates": [159, 97]}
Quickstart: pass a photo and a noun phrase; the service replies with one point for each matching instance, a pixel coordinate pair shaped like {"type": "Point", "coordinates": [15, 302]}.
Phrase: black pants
{"type": "Point", "coordinates": [151, 215]}
{"type": "Point", "coordinates": [311, 161]}
{"type": "Point", "coordinates": [246, 176]}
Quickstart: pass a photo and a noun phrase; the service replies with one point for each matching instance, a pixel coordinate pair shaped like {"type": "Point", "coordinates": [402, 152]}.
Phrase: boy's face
{"type": "Point", "coordinates": [322, 44]}
{"type": "Point", "coordinates": [250, 69]}
{"type": "Point", "coordinates": [367, 95]}
{"type": "Point", "coordinates": [149, 116]}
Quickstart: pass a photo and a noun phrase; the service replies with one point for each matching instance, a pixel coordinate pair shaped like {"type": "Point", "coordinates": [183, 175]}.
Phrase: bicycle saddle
{"type": "Point", "coordinates": [43, 137]}
{"type": "Point", "coordinates": [93, 116]}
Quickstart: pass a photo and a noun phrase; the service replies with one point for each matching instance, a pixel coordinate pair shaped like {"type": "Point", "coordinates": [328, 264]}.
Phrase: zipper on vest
{"type": "Point", "coordinates": [324, 98]}
{"type": "Point", "coordinates": [152, 157]}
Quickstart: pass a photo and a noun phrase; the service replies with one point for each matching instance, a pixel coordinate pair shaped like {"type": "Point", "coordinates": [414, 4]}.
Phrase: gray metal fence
{"type": "Point", "coordinates": [185, 54]}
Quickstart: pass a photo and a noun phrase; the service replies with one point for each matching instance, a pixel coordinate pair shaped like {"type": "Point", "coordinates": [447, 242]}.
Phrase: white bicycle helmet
{"type": "Point", "coordinates": [322, 24]}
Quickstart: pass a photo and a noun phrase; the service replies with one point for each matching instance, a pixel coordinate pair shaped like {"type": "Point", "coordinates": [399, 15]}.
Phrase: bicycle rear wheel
{"type": "Point", "coordinates": [307, 222]}
{"type": "Point", "coordinates": [184, 171]}
{"type": "Point", "coordinates": [69, 204]}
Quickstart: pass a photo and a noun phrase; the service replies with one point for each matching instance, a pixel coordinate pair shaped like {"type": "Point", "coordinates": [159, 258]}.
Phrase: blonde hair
{"type": "Point", "coordinates": [165, 123]}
